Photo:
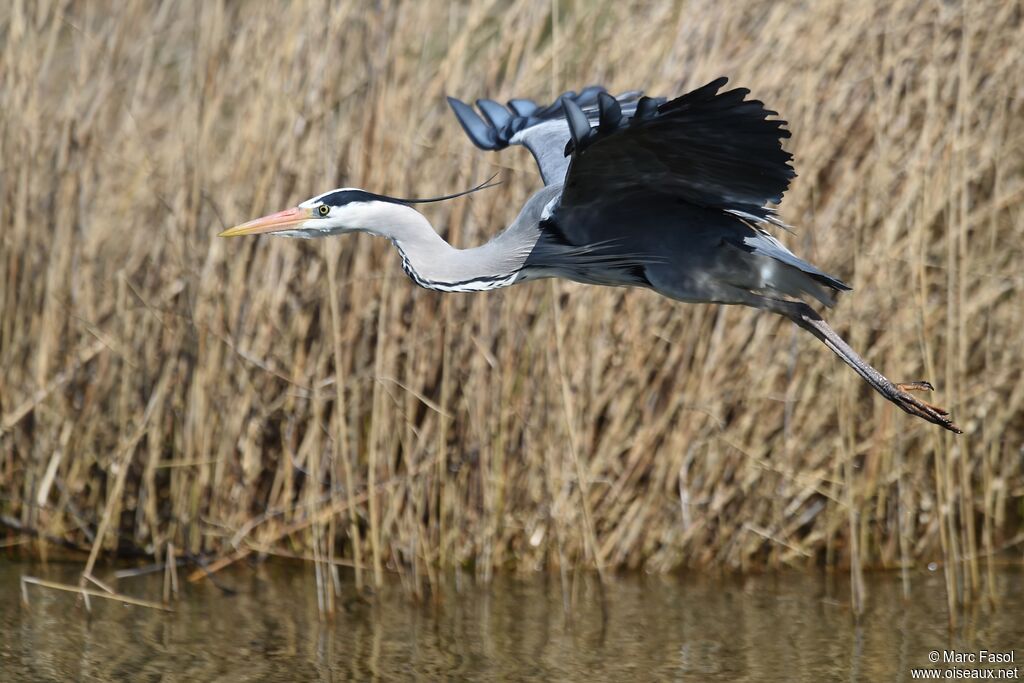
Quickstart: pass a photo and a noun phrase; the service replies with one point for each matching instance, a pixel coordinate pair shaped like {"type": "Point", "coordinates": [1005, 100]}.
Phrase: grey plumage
{"type": "Point", "coordinates": [675, 196]}
{"type": "Point", "coordinates": [542, 130]}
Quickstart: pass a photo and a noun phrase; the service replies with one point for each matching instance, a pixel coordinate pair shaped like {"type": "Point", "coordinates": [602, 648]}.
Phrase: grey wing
{"type": "Point", "coordinates": [542, 130]}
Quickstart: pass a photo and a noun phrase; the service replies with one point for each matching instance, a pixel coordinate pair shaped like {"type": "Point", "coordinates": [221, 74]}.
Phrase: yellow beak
{"type": "Point", "coordinates": [275, 222]}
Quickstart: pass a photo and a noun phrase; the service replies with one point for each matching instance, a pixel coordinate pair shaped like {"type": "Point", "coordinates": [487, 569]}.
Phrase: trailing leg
{"type": "Point", "coordinates": [807, 318]}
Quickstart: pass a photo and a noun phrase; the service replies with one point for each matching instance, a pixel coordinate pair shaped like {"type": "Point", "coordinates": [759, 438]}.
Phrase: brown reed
{"type": "Point", "coordinates": [160, 386]}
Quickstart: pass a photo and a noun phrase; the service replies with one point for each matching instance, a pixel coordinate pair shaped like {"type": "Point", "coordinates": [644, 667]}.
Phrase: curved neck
{"type": "Point", "coordinates": [433, 263]}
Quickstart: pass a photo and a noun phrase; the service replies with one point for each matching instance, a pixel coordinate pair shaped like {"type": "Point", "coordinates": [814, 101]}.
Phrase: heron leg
{"type": "Point", "coordinates": [807, 318]}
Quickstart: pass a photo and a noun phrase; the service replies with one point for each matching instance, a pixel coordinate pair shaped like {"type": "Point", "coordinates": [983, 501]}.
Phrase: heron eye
{"type": "Point", "coordinates": [324, 209]}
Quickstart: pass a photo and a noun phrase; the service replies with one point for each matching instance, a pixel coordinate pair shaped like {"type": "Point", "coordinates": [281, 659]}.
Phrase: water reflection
{"type": "Point", "coordinates": [787, 627]}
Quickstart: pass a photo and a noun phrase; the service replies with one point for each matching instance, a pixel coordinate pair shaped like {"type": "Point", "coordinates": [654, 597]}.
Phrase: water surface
{"type": "Point", "coordinates": [779, 627]}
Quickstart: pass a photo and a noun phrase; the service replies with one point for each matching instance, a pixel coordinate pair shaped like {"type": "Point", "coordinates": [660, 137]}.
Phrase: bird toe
{"type": "Point", "coordinates": [923, 409]}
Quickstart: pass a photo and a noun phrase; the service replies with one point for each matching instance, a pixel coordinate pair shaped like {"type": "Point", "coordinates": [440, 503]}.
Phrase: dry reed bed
{"type": "Point", "coordinates": [162, 386]}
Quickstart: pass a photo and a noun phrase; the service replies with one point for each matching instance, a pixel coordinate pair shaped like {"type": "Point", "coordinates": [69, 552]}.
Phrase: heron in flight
{"type": "Point", "coordinates": [638, 191]}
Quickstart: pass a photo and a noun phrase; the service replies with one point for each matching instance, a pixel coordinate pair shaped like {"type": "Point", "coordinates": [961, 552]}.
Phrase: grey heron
{"type": "Point", "coordinates": [670, 195]}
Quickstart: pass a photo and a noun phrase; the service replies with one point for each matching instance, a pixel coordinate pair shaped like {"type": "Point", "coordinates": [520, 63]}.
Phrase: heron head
{"type": "Point", "coordinates": [342, 210]}
{"type": "Point", "coordinates": [346, 209]}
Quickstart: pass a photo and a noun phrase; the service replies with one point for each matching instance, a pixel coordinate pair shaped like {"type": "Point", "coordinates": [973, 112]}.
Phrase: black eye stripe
{"type": "Point", "coordinates": [342, 197]}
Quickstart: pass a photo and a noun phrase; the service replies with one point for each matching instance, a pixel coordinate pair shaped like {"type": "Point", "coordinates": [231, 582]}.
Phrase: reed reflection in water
{"type": "Point", "coordinates": [786, 627]}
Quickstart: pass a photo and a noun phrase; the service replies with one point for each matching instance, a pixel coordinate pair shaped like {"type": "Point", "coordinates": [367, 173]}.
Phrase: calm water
{"type": "Point", "coordinates": [786, 627]}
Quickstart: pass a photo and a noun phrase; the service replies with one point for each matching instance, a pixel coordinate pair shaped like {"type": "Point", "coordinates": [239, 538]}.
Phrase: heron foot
{"type": "Point", "coordinates": [923, 409]}
{"type": "Point", "coordinates": [921, 386]}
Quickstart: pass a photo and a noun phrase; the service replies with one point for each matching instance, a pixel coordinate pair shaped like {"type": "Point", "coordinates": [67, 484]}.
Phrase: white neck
{"type": "Point", "coordinates": [433, 263]}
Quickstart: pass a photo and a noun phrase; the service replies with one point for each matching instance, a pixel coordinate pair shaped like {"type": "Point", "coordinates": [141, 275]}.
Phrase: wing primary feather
{"type": "Point", "coordinates": [579, 124]}
{"type": "Point", "coordinates": [701, 94]}
{"type": "Point", "coordinates": [589, 95]}
{"type": "Point", "coordinates": [495, 114]}
{"type": "Point", "coordinates": [482, 135]}
{"type": "Point", "coordinates": [522, 107]}
{"type": "Point", "coordinates": [611, 112]}
{"type": "Point", "coordinates": [646, 108]}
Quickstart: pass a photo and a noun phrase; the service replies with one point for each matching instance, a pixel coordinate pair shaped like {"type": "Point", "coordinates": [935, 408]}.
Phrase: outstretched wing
{"type": "Point", "coordinates": [710, 160]}
{"type": "Point", "coordinates": [542, 130]}
{"type": "Point", "coordinates": [711, 149]}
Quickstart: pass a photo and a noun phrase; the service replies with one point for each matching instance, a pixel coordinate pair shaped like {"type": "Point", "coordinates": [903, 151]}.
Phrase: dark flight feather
{"type": "Point", "coordinates": [712, 149]}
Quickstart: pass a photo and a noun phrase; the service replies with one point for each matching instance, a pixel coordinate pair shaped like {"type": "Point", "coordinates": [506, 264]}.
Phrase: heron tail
{"type": "Point", "coordinates": [793, 276]}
